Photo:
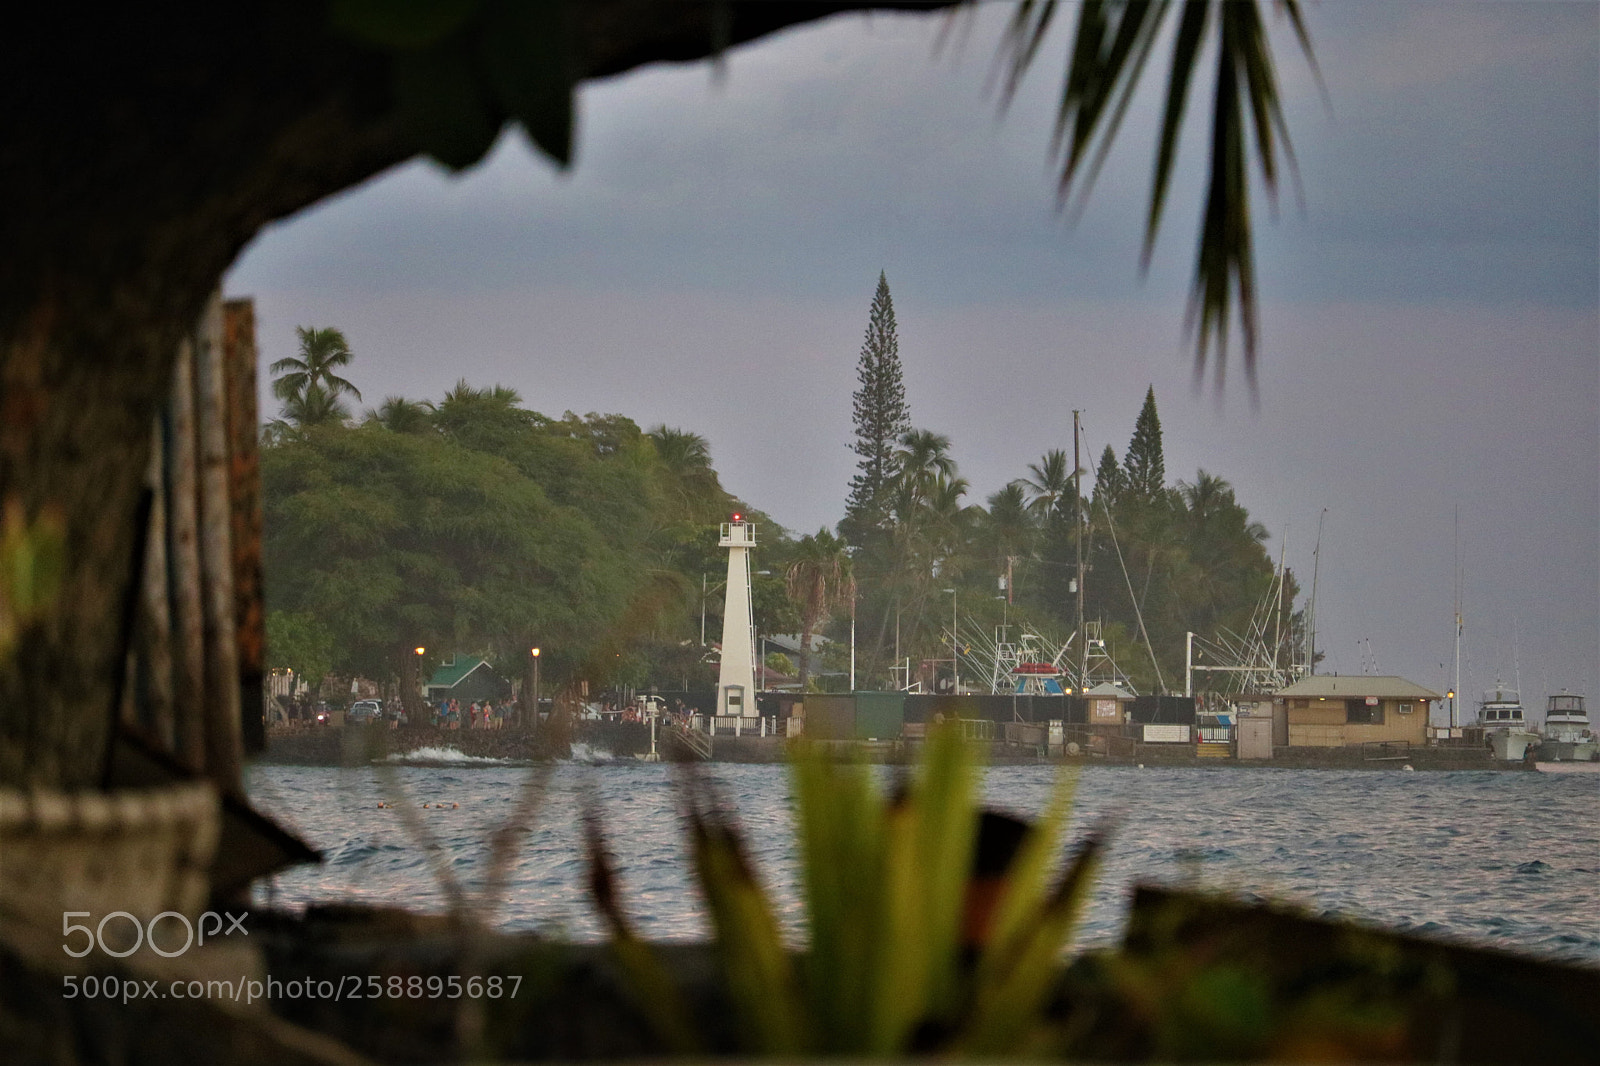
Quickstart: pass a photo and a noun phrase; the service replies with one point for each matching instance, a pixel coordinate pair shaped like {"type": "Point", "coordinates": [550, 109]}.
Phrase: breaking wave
{"type": "Point", "coordinates": [445, 757]}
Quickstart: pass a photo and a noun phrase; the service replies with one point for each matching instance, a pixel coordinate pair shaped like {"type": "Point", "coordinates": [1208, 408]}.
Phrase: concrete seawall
{"type": "Point", "coordinates": [357, 745]}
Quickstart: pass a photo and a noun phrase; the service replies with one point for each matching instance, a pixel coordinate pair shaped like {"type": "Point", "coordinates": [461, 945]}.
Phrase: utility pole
{"type": "Point", "coordinates": [852, 633]}
{"type": "Point", "coordinates": [955, 662]}
{"type": "Point", "coordinates": [1077, 491]}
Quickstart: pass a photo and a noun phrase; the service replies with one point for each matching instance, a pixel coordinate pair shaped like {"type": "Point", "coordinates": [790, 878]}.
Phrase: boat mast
{"type": "Point", "coordinates": [1277, 616]}
{"type": "Point", "coordinates": [1457, 687]}
{"type": "Point", "coordinates": [1077, 491]}
{"type": "Point", "coordinates": [1316, 565]}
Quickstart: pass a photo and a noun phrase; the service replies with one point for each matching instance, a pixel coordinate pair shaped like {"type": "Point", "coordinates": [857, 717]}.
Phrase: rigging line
{"type": "Point", "coordinates": [1112, 527]}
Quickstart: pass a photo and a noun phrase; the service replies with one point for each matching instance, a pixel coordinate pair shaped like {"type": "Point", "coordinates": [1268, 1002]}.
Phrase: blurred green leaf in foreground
{"type": "Point", "coordinates": [934, 926]}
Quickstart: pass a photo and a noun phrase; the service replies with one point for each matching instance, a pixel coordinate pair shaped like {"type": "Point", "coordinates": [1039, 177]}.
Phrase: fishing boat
{"type": "Point", "coordinates": [1501, 719]}
{"type": "Point", "coordinates": [1566, 736]}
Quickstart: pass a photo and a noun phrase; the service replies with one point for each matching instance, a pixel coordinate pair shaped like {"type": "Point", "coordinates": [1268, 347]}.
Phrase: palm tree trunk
{"type": "Point", "coordinates": [805, 647]}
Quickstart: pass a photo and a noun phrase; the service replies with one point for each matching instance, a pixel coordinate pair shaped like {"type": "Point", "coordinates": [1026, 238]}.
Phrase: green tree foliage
{"type": "Point", "coordinates": [1048, 482]}
{"type": "Point", "coordinates": [322, 351]}
{"type": "Point", "coordinates": [475, 524]}
{"type": "Point", "coordinates": [819, 582]}
{"type": "Point", "coordinates": [1053, 502]}
{"type": "Point", "coordinates": [1160, 559]}
{"type": "Point", "coordinates": [694, 492]}
{"type": "Point", "coordinates": [400, 415]}
{"type": "Point", "coordinates": [1108, 480]}
{"type": "Point", "coordinates": [478, 525]}
{"type": "Point", "coordinates": [931, 535]}
{"type": "Point", "coordinates": [897, 962]}
{"type": "Point", "coordinates": [1144, 466]}
{"type": "Point", "coordinates": [395, 540]}
{"type": "Point", "coordinates": [1180, 558]}
{"type": "Point", "coordinates": [314, 405]}
{"type": "Point", "coordinates": [881, 419]}
{"type": "Point", "coordinates": [1008, 527]}
{"type": "Point", "coordinates": [298, 641]}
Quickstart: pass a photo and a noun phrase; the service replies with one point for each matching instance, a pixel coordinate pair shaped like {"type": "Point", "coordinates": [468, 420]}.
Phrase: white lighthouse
{"type": "Point", "coordinates": [736, 683]}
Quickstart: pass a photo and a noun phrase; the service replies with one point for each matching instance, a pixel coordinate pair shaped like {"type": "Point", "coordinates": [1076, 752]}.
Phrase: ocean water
{"type": "Point", "coordinates": [1506, 859]}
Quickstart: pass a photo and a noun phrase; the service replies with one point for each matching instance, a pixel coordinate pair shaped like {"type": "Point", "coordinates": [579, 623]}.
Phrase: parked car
{"type": "Point", "coordinates": [364, 711]}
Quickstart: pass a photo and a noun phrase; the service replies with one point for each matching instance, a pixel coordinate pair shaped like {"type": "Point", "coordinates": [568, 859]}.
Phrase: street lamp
{"type": "Point", "coordinates": [535, 652]}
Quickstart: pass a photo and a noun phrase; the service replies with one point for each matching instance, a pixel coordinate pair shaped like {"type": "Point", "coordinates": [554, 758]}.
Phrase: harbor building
{"type": "Point", "coordinates": [1334, 711]}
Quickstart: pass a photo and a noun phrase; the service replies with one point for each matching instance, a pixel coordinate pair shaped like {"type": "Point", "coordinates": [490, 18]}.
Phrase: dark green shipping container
{"type": "Point", "coordinates": [880, 715]}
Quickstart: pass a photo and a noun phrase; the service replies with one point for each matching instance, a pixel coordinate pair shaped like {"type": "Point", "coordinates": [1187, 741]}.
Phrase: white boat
{"type": "Point", "coordinates": [1501, 719]}
{"type": "Point", "coordinates": [1567, 736]}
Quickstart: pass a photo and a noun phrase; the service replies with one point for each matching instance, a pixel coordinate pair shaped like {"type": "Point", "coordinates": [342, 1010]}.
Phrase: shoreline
{"type": "Point", "coordinates": [620, 741]}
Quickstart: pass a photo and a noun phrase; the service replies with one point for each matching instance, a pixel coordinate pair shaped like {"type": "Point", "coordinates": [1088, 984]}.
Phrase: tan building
{"type": "Point", "coordinates": [1330, 711]}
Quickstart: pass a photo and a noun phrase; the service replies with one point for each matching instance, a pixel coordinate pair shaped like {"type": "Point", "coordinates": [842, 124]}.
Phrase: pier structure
{"type": "Point", "coordinates": [736, 680]}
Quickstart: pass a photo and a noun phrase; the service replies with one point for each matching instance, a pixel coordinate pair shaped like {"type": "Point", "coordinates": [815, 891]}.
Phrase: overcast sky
{"type": "Point", "coordinates": [1430, 337]}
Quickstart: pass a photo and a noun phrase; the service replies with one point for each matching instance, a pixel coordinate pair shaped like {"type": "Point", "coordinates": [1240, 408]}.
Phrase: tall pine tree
{"type": "Point", "coordinates": [881, 418]}
{"type": "Point", "coordinates": [1109, 480]}
{"type": "Point", "coordinates": [1144, 469]}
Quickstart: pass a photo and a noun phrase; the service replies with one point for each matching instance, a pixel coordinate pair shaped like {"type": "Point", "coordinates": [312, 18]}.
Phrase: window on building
{"type": "Point", "coordinates": [1359, 712]}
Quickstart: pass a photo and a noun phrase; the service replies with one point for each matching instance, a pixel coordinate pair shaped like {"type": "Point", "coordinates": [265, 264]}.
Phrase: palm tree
{"type": "Point", "coordinates": [947, 523]}
{"type": "Point", "coordinates": [922, 458]}
{"type": "Point", "coordinates": [681, 449]}
{"type": "Point", "coordinates": [1009, 525]}
{"type": "Point", "coordinates": [487, 419]}
{"type": "Point", "coordinates": [687, 458]}
{"type": "Point", "coordinates": [400, 415]}
{"type": "Point", "coordinates": [314, 406]}
{"type": "Point", "coordinates": [321, 352]}
{"type": "Point", "coordinates": [1113, 41]}
{"type": "Point", "coordinates": [819, 581]}
{"type": "Point", "coordinates": [1204, 497]}
{"type": "Point", "coordinates": [1050, 482]}
{"type": "Point", "coordinates": [921, 463]}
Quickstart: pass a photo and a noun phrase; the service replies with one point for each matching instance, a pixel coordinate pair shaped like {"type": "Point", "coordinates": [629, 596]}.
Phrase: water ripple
{"type": "Point", "coordinates": [1506, 858]}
